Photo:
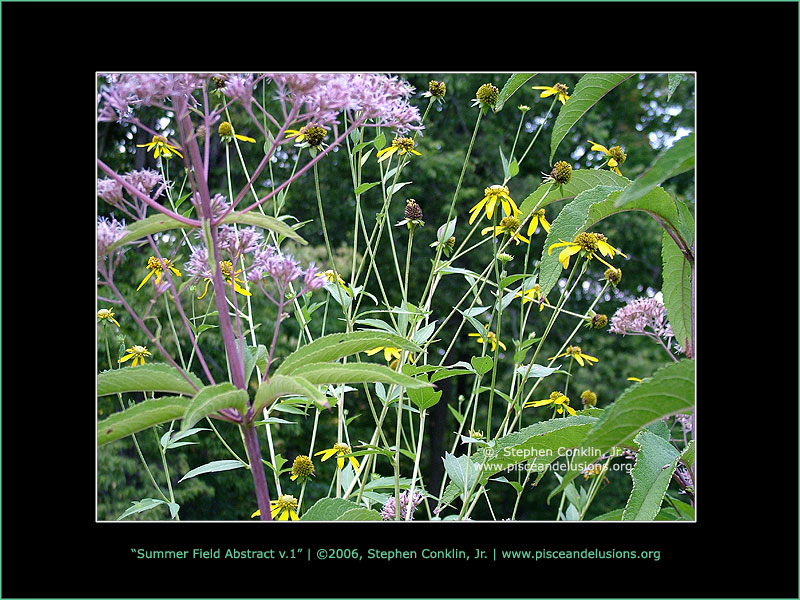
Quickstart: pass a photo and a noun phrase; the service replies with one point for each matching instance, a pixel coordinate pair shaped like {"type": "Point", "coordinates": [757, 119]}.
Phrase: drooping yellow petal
{"type": "Point", "coordinates": [558, 244]}
{"type": "Point", "coordinates": [545, 224]}
{"type": "Point", "coordinates": [476, 210]}
{"type": "Point", "coordinates": [612, 162]}
{"type": "Point", "coordinates": [589, 359]}
{"type": "Point", "coordinates": [124, 358]}
{"type": "Point", "coordinates": [570, 410]}
{"type": "Point", "coordinates": [293, 515]}
{"type": "Point", "coordinates": [148, 276]}
{"type": "Point", "coordinates": [386, 153]}
{"type": "Point", "coordinates": [354, 462]}
{"type": "Point", "coordinates": [501, 344]}
{"type": "Point", "coordinates": [490, 206]}
{"type": "Point", "coordinates": [578, 358]}
{"type": "Point", "coordinates": [563, 257]}
{"type": "Point", "coordinates": [244, 138]}
{"type": "Point", "coordinates": [340, 462]}
{"type": "Point", "coordinates": [601, 148]}
{"type": "Point", "coordinates": [256, 514]}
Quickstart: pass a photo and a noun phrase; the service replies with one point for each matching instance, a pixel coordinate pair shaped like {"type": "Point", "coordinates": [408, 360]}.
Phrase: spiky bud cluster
{"type": "Point", "coordinates": [413, 212]}
{"type": "Point", "coordinates": [589, 398]}
{"type": "Point", "coordinates": [488, 94]}
{"type": "Point", "coordinates": [599, 321]}
{"type": "Point", "coordinates": [219, 81]}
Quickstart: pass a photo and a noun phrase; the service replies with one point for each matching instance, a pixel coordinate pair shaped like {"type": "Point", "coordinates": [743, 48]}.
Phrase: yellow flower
{"type": "Point", "coordinates": [616, 155]}
{"type": "Point", "coordinates": [137, 353]}
{"type": "Point", "coordinates": [533, 294]}
{"type": "Point", "coordinates": [161, 147]}
{"type": "Point", "coordinates": [156, 266]}
{"type": "Point", "coordinates": [332, 276]}
{"type": "Point", "coordinates": [284, 508]}
{"type": "Point", "coordinates": [575, 352]}
{"type": "Point", "coordinates": [588, 244]}
{"type": "Point", "coordinates": [508, 226]}
{"type": "Point", "coordinates": [402, 145]}
{"type": "Point", "coordinates": [557, 399]}
{"type": "Point", "coordinates": [558, 88]}
{"type": "Point", "coordinates": [341, 450]}
{"type": "Point", "coordinates": [107, 313]}
{"type": "Point", "coordinates": [593, 471]}
{"type": "Point", "coordinates": [491, 195]}
{"type": "Point", "coordinates": [491, 336]}
{"type": "Point", "coordinates": [227, 134]}
{"type": "Point", "coordinates": [391, 355]}
{"type": "Point", "coordinates": [538, 217]}
{"type": "Point", "coordinates": [227, 268]}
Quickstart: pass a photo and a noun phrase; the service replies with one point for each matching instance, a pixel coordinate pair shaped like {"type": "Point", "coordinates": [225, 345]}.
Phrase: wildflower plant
{"type": "Point", "coordinates": [215, 322]}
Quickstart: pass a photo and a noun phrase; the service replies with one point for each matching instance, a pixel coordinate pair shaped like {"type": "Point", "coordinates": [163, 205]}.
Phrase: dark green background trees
{"type": "Point", "coordinates": [635, 115]}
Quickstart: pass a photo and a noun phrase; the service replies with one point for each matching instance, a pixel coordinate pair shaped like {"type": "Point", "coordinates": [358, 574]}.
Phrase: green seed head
{"type": "Point", "coordinates": [589, 398]}
{"type": "Point", "coordinates": [618, 154]}
{"type": "Point", "coordinates": [488, 94]}
{"type": "Point", "coordinates": [562, 172]}
{"type": "Point", "coordinates": [315, 135]}
{"type": "Point", "coordinates": [437, 89]}
{"type": "Point", "coordinates": [613, 275]}
{"type": "Point", "coordinates": [225, 129]}
{"type": "Point", "coordinates": [599, 321]}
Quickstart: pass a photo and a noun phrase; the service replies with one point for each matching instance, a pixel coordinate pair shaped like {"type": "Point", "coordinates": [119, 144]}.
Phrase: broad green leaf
{"type": "Point", "coordinates": [655, 463]}
{"type": "Point", "coordinates": [581, 180]}
{"type": "Point", "coordinates": [588, 91]}
{"type": "Point", "coordinates": [463, 473]}
{"type": "Point", "coordinates": [265, 222]}
{"type": "Point", "coordinates": [254, 356]}
{"type": "Point", "coordinates": [141, 416]}
{"type": "Point", "coordinates": [513, 83]}
{"type": "Point", "coordinates": [541, 442]}
{"type": "Point", "coordinates": [673, 80]}
{"type": "Point", "coordinates": [676, 159]}
{"type": "Point", "coordinates": [424, 398]}
{"type": "Point", "coordinates": [677, 292]}
{"type": "Point", "coordinates": [213, 398]}
{"type": "Point", "coordinates": [537, 371]}
{"type": "Point", "coordinates": [284, 385]}
{"type": "Point", "coordinates": [482, 364]}
{"type": "Point", "coordinates": [328, 509]}
{"type": "Point", "coordinates": [335, 373]}
{"type": "Point", "coordinates": [147, 226]}
{"type": "Point", "coordinates": [457, 415]}
{"type": "Point", "coordinates": [569, 222]}
{"type": "Point", "coordinates": [150, 377]}
{"type": "Point", "coordinates": [614, 515]}
{"type": "Point", "coordinates": [332, 347]}
{"type": "Point", "coordinates": [213, 467]}
{"type": "Point", "coordinates": [669, 391]}
{"type": "Point", "coordinates": [148, 504]}
{"type": "Point", "coordinates": [360, 513]}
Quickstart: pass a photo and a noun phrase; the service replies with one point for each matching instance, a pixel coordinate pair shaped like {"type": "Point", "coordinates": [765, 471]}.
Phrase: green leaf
{"type": "Point", "coordinates": [482, 364]}
{"type": "Point", "coordinates": [332, 347]}
{"type": "Point", "coordinates": [462, 471]}
{"type": "Point", "coordinates": [687, 456]}
{"type": "Point", "coordinates": [614, 515]}
{"type": "Point", "coordinates": [213, 398]}
{"type": "Point", "coordinates": [284, 385]}
{"type": "Point", "coordinates": [669, 391]}
{"type": "Point", "coordinates": [537, 371]}
{"type": "Point", "coordinates": [328, 509]}
{"type": "Point", "coordinates": [676, 159]}
{"type": "Point", "coordinates": [569, 222]}
{"type": "Point", "coordinates": [677, 292]}
{"type": "Point", "coordinates": [588, 91]}
{"type": "Point", "coordinates": [265, 222]}
{"type": "Point", "coordinates": [543, 442]}
{"type": "Point", "coordinates": [379, 142]}
{"type": "Point", "coordinates": [335, 373]}
{"type": "Point", "coordinates": [360, 513]}
{"type": "Point", "coordinates": [148, 504]}
{"type": "Point", "coordinates": [254, 356]}
{"type": "Point", "coordinates": [581, 180]}
{"type": "Point", "coordinates": [147, 226]}
{"type": "Point", "coordinates": [150, 377]}
{"type": "Point", "coordinates": [674, 79]}
{"type": "Point", "coordinates": [655, 463]}
{"type": "Point", "coordinates": [364, 187]}
{"type": "Point", "coordinates": [141, 416]}
{"type": "Point", "coordinates": [513, 83]}
{"type": "Point", "coordinates": [424, 398]}
{"type": "Point", "coordinates": [213, 467]}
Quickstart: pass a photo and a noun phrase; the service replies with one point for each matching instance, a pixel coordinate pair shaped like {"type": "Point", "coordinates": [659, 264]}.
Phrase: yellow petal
{"type": "Point", "coordinates": [545, 224]}
{"type": "Point", "coordinates": [374, 351]}
{"type": "Point", "coordinates": [149, 274]}
{"type": "Point", "coordinates": [244, 138]}
{"type": "Point", "coordinates": [340, 462]}
{"type": "Point", "coordinates": [599, 147]}
{"type": "Point", "coordinates": [578, 358]}
{"type": "Point", "coordinates": [124, 358]}
{"type": "Point", "coordinates": [256, 514]}
{"type": "Point", "coordinates": [547, 93]}
{"type": "Point", "coordinates": [293, 515]}
{"type": "Point", "coordinates": [570, 410]}
{"type": "Point", "coordinates": [612, 162]}
{"type": "Point", "coordinates": [556, 245]}
{"type": "Point", "coordinates": [284, 516]}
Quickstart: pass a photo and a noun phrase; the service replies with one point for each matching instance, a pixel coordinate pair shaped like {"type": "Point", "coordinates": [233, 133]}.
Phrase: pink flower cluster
{"type": "Point", "coordinates": [638, 315]}
{"type": "Point", "coordinates": [389, 510]}
{"type": "Point", "coordinates": [323, 95]}
{"type": "Point", "coordinates": [128, 90]}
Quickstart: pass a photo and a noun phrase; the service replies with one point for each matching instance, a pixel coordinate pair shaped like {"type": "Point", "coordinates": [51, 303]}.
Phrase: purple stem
{"type": "Point", "coordinates": [257, 469]}
{"type": "Point", "coordinates": [281, 304]}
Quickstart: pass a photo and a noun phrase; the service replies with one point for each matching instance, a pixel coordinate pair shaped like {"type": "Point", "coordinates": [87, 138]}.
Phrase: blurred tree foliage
{"type": "Point", "coordinates": [635, 115]}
